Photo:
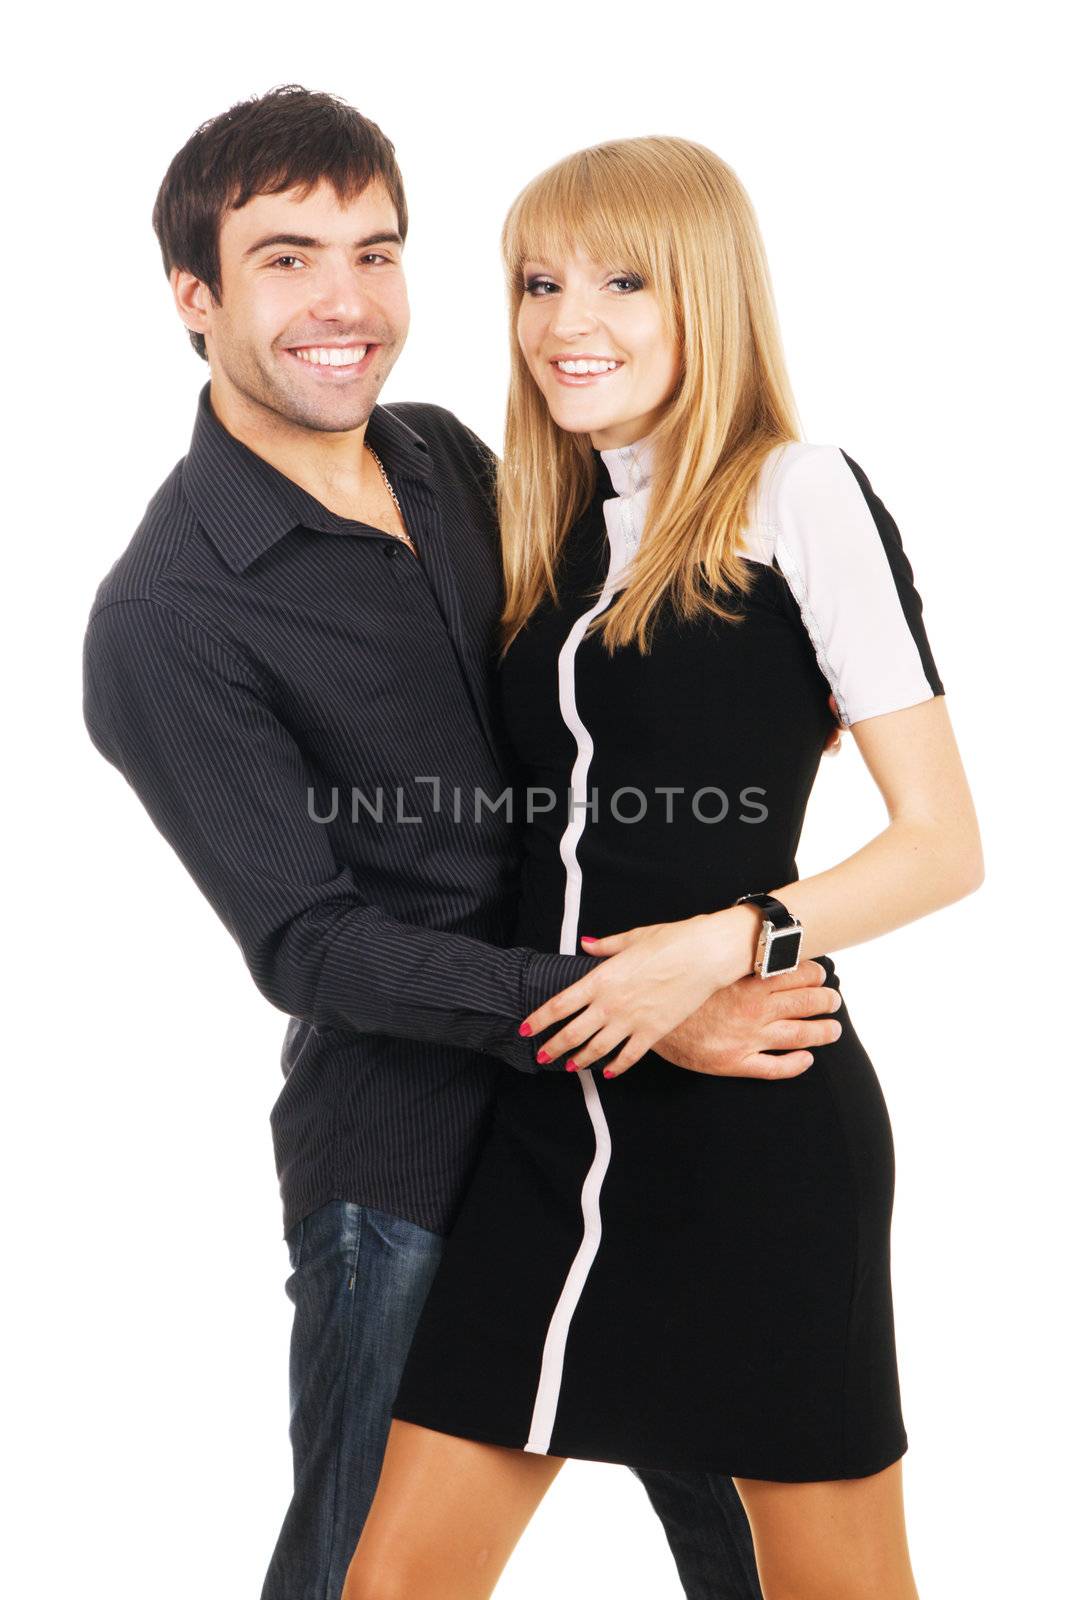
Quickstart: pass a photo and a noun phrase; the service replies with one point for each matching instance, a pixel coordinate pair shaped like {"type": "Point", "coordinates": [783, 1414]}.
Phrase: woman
{"type": "Point", "coordinates": [673, 1268]}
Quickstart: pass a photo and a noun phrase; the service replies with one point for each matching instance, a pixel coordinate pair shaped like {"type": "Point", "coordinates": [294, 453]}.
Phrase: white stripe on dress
{"type": "Point", "coordinates": [623, 535]}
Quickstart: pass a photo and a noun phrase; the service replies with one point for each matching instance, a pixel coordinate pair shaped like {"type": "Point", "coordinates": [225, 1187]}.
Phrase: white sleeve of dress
{"type": "Point", "coordinates": [841, 554]}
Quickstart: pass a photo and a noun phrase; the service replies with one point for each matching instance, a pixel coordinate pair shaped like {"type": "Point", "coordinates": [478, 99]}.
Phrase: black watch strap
{"type": "Point", "coordinates": [781, 935]}
{"type": "Point", "coordinates": [774, 911]}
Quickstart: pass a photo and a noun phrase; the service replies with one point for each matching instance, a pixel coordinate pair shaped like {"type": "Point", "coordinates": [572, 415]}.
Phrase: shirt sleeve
{"type": "Point", "coordinates": [184, 718]}
{"type": "Point", "coordinates": [841, 554]}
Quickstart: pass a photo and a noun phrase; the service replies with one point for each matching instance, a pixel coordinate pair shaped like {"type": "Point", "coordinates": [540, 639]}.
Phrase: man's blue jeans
{"type": "Point", "coordinates": [359, 1278]}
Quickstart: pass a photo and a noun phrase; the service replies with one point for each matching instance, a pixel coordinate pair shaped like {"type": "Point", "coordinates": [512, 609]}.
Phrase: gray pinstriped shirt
{"type": "Point", "coordinates": [287, 691]}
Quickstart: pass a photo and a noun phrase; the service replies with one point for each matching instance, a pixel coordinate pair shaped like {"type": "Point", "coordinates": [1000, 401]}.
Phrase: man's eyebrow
{"type": "Point", "coordinates": [302, 241]}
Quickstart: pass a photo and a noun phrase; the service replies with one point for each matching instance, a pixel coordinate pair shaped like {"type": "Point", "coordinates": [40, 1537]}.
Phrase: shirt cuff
{"type": "Point", "coordinates": [545, 975]}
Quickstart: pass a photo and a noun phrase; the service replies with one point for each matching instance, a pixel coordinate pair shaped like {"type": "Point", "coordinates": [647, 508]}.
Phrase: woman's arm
{"type": "Point", "coordinates": [928, 856]}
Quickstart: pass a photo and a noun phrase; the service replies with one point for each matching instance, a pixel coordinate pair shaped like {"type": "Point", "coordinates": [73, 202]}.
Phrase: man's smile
{"type": "Point", "coordinates": [333, 363]}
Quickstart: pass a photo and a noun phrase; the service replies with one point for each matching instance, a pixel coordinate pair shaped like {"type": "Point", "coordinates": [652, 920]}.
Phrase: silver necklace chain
{"type": "Point", "coordinates": [404, 536]}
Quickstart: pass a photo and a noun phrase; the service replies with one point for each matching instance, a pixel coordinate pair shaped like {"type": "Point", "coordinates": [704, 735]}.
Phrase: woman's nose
{"type": "Point", "coordinates": [572, 317]}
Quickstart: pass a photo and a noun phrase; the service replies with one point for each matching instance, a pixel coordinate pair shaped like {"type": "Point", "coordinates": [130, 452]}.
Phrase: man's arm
{"type": "Point", "coordinates": [190, 726]}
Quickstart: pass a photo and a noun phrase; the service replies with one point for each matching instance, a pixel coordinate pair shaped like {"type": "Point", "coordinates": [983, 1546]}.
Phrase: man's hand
{"type": "Point", "coordinates": [727, 1035]}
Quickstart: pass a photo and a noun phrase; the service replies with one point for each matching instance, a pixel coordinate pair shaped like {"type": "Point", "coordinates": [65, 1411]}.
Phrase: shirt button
{"type": "Point", "coordinates": [391, 551]}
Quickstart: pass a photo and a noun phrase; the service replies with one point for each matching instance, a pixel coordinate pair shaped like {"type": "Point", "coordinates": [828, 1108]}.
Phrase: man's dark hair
{"type": "Point", "coordinates": [288, 138]}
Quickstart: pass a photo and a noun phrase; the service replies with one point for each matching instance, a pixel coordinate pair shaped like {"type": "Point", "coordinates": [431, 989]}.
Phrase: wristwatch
{"type": "Point", "coordinates": [780, 937]}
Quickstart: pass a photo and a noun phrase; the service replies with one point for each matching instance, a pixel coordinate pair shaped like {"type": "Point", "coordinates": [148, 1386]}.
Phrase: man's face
{"type": "Point", "coordinates": [314, 307]}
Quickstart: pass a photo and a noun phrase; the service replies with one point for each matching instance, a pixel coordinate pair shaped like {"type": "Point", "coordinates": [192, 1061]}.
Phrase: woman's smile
{"type": "Point", "coordinates": [581, 370]}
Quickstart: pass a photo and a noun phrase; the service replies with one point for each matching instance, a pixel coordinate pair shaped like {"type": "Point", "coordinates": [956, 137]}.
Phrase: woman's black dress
{"type": "Point", "coordinates": [670, 1269]}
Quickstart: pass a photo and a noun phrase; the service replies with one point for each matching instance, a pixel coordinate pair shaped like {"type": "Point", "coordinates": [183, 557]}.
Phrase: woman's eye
{"type": "Point", "coordinates": [630, 284]}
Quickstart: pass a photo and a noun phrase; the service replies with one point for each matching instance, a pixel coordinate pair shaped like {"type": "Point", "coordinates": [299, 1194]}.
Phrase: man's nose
{"type": "Point", "coordinates": [341, 295]}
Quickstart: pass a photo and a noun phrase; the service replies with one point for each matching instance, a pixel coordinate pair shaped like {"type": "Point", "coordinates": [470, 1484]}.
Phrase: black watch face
{"type": "Point", "coordinates": [785, 947]}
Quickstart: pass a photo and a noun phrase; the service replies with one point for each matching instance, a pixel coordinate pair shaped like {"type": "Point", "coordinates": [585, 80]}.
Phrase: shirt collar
{"type": "Point", "coordinates": [245, 504]}
{"type": "Point", "coordinates": [629, 467]}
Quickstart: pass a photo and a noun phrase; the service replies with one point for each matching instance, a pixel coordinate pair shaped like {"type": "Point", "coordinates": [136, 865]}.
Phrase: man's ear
{"type": "Point", "coordinates": [192, 298]}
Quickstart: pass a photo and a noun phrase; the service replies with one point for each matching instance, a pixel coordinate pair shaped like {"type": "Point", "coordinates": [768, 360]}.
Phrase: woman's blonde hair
{"type": "Point", "coordinates": [674, 214]}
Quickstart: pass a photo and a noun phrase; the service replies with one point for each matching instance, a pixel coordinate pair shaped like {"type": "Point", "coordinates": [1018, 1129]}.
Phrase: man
{"type": "Point", "coordinates": [291, 663]}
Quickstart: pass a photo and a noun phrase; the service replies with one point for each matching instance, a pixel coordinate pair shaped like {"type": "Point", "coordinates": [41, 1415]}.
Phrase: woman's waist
{"type": "Point", "coordinates": [614, 890]}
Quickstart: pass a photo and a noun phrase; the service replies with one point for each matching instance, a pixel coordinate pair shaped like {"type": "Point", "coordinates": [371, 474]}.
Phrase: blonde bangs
{"type": "Point", "coordinates": [581, 206]}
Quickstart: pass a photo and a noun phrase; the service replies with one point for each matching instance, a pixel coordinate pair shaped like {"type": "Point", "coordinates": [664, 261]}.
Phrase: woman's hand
{"type": "Point", "coordinates": [656, 977]}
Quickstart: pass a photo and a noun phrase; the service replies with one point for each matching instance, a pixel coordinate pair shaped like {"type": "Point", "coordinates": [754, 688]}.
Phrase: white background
{"type": "Point", "coordinates": [905, 167]}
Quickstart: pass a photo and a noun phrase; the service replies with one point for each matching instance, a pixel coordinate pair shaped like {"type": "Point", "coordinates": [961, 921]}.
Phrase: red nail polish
{"type": "Point", "coordinates": [593, 936]}
{"type": "Point", "coordinates": [526, 1030]}
{"type": "Point", "coordinates": [608, 1072]}
{"type": "Point", "coordinates": [543, 1056]}
{"type": "Point", "coordinates": [572, 1066]}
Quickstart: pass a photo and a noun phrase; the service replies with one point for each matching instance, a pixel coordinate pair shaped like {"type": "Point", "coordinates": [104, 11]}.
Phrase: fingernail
{"type": "Point", "coordinates": [593, 936]}
{"type": "Point", "coordinates": [609, 1072]}
{"type": "Point", "coordinates": [526, 1030]}
{"type": "Point", "coordinates": [572, 1066]}
{"type": "Point", "coordinates": [543, 1056]}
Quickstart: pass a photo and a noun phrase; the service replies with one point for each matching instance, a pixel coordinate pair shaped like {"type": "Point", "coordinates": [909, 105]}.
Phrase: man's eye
{"type": "Point", "coordinates": [374, 255]}
{"type": "Point", "coordinates": [278, 259]}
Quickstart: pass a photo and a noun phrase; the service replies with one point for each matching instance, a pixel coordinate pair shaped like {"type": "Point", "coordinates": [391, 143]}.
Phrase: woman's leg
{"type": "Point", "coordinates": [840, 1540]}
{"type": "Point", "coordinates": [446, 1516]}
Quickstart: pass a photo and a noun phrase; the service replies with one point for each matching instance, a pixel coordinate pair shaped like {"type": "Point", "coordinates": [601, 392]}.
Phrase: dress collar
{"type": "Point", "coordinates": [629, 466]}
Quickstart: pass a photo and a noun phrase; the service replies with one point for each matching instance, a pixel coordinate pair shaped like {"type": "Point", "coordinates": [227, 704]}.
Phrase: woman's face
{"type": "Point", "coordinates": [580, 311]}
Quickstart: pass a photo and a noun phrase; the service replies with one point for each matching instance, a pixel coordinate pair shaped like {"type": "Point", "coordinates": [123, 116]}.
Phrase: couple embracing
{"type": "Point", "coordinates": [580, 1152]}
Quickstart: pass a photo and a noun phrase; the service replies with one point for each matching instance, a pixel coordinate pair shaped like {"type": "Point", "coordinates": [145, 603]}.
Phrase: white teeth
{"type": "Point", "coordinates": [332, 357]}
{"type": "Point", "coordinates": [580, 368]}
